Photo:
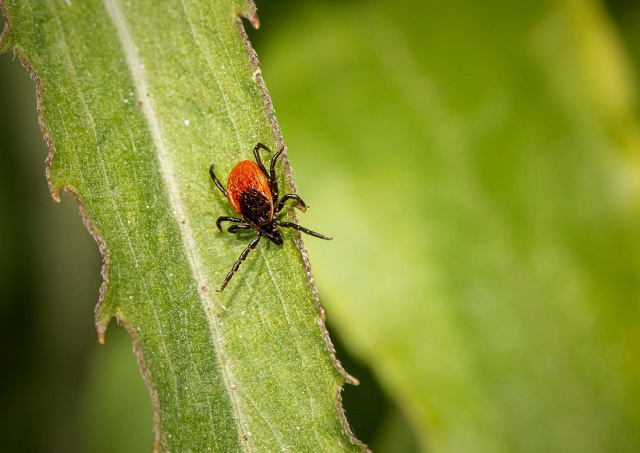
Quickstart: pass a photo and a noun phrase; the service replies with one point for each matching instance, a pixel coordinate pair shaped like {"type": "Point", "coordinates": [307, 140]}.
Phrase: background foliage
{"type": "Point", "coordinates": [477, 165]}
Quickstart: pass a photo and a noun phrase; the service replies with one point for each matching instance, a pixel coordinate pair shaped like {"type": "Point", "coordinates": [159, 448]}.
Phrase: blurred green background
{"type": "Point", "coordinates": [478, 166]}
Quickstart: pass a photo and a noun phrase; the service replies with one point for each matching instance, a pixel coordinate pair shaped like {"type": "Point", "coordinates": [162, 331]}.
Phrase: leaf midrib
{"type": "Point", "coordinates": [149, 112]}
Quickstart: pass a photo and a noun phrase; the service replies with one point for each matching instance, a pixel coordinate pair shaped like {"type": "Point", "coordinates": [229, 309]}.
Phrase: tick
{"type": "Point", "coordinates": [253, 194]}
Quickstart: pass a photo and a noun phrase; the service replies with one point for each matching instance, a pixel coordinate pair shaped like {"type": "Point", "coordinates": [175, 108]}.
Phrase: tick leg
{"type": "Point", "coordinates": [235, 228]}
{"type": "Point", "coordinates": [227, 219]}
{"type": "Point", "coordinates": [252, 245]}
{"type": "Point", "coordinates": [273, 182]}
{"type": "Point", "coordinates": [258, 160]}
{"type": "Point", "coordinates": [295, 226]}
{"type": "Point", "coordinates": [291, 196]}
{"type": "Point", "coordinates": [217, 183]}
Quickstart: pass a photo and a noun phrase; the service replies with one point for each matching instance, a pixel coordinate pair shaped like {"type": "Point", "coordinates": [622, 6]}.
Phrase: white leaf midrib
{"type": "Point", "coordinates": [172, 186]}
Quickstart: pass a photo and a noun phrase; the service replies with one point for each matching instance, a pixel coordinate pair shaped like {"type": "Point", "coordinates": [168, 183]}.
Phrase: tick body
{"type": "Point", "coordinates": [252, 191]}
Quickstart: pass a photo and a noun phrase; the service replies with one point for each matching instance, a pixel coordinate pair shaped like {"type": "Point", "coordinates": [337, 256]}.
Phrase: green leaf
{"type": "Point", "coordinates": [485, 155]}
{"type": "Point", "coordinates": [137, 99]}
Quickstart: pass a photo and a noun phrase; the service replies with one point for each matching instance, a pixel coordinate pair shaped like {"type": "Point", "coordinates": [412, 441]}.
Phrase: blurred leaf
{"type": "Point", "coordinates": [477, 164]}
{"type": "Point", "coordinates": [137, 99]}
{"type": "Point", "coordinates": [627, 16]}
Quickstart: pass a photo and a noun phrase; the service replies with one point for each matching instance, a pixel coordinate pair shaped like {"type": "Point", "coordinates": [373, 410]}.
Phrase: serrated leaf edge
{"type": "Point", "coordinates": [347, 378]}
{"type": "Point", "coordinates": [5, 42]}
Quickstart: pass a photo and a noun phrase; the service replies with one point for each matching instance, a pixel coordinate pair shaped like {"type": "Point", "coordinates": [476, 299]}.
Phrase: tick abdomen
{"type": "Point", "coordinates": [255, 207]}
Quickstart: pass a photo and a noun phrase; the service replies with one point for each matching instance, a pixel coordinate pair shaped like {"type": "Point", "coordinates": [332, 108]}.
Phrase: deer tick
{"type": "Point", "coordinates": [253, 194]}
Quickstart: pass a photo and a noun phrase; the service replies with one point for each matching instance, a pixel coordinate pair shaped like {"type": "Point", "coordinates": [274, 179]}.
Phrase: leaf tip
{"type": "Point", "coordinates": [255, 21]}
{"type": "Point", "coordinates": [54, 189]}
{"type": "Point", "coordinates": [250, 12]}
{"type": "Point", "coordinates": [55, 194]}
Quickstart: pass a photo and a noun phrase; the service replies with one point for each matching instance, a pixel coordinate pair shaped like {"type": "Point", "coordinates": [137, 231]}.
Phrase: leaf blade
{"type": "Point", "coordinates": [135, 118]}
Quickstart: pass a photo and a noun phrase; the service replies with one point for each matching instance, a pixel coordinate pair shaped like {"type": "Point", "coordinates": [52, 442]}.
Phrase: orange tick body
{"type": "Point", "coordinates": [253, 194]}
{"type": "Point", "coordinates": [245, 178]}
